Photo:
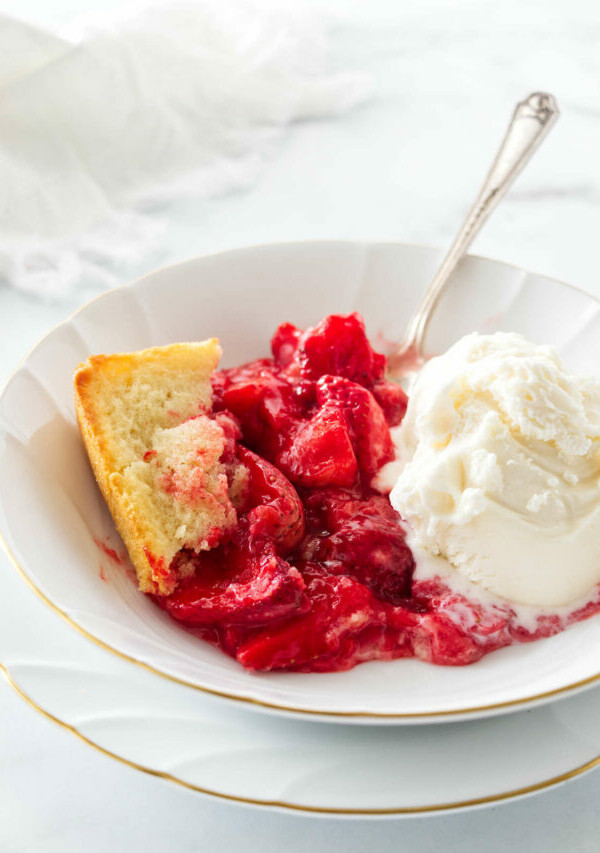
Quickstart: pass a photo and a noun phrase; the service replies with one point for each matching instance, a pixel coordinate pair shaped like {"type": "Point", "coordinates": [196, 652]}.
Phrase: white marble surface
{"type": "Point", "coordinates": [405, 167]}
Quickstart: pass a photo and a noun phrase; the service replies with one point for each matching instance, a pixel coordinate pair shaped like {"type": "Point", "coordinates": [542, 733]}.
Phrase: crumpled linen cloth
{"type": "Point", "coordinates": [186, 99]}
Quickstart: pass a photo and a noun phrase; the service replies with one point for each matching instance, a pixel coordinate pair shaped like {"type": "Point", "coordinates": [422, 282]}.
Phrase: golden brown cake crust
{"type": "Point", "coordinates": [122, 401]}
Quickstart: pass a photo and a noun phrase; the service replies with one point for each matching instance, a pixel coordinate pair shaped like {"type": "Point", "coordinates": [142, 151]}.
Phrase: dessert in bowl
{"type": "Point", "coordinates": [254, 500]}
{"type": "Point", "coordinates": [173, 305]}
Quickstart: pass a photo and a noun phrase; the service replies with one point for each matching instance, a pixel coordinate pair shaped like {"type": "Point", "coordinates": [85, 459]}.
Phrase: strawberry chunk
{"type": "Point", "coordinates": [329, 509]}
{"type": "Point", "coordinates": [344, 625]}
{"type": "Point", "coordinates": [276, 510]}
{"type": "Point", "coordinates": [284, 344]}
{"type": "Point", "coordinates": [245, 588]}
{"type": "Point", "coordinates": [339, 346]}
{"type": "Point", "coordinates": [320, 452]}
{"type": "Point", "coordinates": [392, 399]}
{"type": "Point", "coordinates": [370, 432]}
{"type": "Point", "coordinates": [365, 541]}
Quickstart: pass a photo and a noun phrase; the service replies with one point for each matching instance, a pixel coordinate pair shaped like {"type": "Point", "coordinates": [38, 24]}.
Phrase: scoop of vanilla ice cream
{"type": "Point", "coordinates": [500, 469]}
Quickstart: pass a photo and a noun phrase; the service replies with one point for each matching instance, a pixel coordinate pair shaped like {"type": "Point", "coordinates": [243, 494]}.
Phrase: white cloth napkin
{"type": "Point", "coordinates": [184, 99]}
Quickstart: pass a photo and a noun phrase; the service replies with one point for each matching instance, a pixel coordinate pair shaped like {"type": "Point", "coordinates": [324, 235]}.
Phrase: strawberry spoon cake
{"type": "Point", "coordinates": [302, 514]}
{"type": "Point", "coordinates": [320, 573]}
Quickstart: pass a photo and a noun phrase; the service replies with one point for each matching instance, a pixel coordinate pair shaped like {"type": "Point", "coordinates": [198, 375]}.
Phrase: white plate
{"type": "Point", "coordinates": [51, 511]}
{"type": "Point", "coordinates": [181, 735]}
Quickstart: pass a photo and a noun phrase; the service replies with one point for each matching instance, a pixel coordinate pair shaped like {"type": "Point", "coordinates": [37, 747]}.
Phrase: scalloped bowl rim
{"type": "Point", "coordinates": [252, 692]}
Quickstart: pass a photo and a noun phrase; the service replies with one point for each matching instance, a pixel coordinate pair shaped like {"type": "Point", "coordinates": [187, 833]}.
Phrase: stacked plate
{"type": "Point", "coordinates": [387, 738]}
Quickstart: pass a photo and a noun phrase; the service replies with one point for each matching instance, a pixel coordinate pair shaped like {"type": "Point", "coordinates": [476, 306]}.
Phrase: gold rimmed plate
{"type": "Point", "coordinates": [59, 534]}
{"type": "Point", "coordinates": [180, 735]}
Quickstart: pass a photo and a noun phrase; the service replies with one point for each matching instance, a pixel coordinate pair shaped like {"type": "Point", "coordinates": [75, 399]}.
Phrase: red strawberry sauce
{"type": "Point", "coordinates": [317, 576]}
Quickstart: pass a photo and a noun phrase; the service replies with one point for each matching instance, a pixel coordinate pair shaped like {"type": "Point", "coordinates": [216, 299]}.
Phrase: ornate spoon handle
{"type": "Point", "coordinates": [531, 121]}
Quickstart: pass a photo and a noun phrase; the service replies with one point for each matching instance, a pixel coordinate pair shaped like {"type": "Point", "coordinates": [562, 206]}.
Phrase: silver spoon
{"type": "Point", "coordinates": [531, 121]}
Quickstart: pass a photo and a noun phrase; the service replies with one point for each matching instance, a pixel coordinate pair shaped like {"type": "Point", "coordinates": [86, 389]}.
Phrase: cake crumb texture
{"type": "Point", "coordinates": [156, 453]}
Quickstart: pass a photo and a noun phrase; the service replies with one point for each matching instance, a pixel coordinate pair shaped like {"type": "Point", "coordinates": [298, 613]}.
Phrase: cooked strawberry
{"type": "Point", "coordinates": [274, 509]}
{"type": "Point", "coordinates": [329, 509]}
{"type": "Point", "coordinates": [339, 346]}
{"type": "Point", "coordinates": [365, 541]}
{"type": "Point", "coordinates": [392, 399]}
{"type": "Point", "coordinates": [284, 343]}
{"type": "Point", "coordinates": [329, 633]}
{"type": "Point", "coordinates": [370, 432]}
{"type": "Point", "coordinates": [244, 588]}
{"type": "Point", "coordinates": [320, 452]}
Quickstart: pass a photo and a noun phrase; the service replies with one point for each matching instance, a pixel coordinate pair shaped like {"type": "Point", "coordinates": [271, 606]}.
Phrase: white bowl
{"type": "Point", "coordinates": [52, 515]}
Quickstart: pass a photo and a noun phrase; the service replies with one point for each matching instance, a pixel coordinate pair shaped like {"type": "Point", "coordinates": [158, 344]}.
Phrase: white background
{"type": "Point", "coordinates": [404, 167]}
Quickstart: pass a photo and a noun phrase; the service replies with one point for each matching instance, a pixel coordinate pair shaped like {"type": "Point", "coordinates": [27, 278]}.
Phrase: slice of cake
{"type": "Point", "coordinates": [165, 466]}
